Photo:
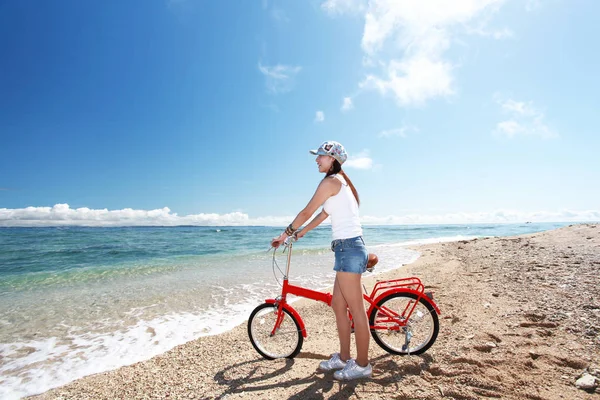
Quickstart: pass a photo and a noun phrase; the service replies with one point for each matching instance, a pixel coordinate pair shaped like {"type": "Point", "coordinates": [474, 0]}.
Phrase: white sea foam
{"type": "Point", "coordinates": [32, 367]}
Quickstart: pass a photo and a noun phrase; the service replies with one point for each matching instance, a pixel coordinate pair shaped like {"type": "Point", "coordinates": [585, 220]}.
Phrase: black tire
{"type": "Point", "coordinates": [421, 330]}
{"type": "Point", "coordinates": [287, 341]}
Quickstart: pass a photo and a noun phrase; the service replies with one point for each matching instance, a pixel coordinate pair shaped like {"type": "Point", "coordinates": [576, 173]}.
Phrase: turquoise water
{"type": "Point", "coordinates": [76, 301]}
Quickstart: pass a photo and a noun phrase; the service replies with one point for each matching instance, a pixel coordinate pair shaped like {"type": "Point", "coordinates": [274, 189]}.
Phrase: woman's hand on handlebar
{"type": "Point", "coordinates": [276, 242]}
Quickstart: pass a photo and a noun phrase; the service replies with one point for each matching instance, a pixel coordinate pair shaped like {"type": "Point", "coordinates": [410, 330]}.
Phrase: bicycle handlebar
{"type": "Point", "coordinates": [290, 239]}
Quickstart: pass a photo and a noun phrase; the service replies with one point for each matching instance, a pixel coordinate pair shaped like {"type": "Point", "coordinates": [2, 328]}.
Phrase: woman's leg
{"type": "Point", "coordinates": [338, 303]}
{"type": "Point", "coordinates": [349, 285]}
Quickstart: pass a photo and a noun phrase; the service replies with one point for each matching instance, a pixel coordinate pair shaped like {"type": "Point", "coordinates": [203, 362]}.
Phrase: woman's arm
{"type": "Point", "coordinates": [327, 188]}
{"type": "Point", "coordinates": [316, 221]}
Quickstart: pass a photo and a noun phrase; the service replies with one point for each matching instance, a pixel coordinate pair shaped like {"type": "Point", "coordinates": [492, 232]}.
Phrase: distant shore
{"type": "Point", "coordinates": [520, 320]}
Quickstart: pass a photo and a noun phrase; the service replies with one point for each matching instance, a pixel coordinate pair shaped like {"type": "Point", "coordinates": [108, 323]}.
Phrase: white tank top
{"type": "Point", "coordinates": [343, 210]}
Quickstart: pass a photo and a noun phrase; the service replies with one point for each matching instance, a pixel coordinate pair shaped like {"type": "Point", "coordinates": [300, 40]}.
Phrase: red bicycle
{"type": "Point", "coordinates": [403, 318]}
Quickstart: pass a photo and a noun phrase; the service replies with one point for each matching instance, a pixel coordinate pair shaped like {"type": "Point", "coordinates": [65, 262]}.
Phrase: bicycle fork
{"type": "Point", "coordinates": [282, 307]}
{"type": "Point", "coordinates": [280, 315]}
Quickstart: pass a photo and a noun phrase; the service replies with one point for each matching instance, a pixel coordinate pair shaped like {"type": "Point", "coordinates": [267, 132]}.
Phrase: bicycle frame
{"type": "Point", "coordinates": [381, 289]}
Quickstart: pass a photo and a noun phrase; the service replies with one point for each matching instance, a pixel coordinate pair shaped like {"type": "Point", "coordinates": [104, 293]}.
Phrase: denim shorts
{"type": "Point", "coordinates": [350, 255]}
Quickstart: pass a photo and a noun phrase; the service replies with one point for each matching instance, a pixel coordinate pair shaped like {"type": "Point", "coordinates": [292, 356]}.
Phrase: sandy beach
{"type": "Point", "coordinates": [520, 320]}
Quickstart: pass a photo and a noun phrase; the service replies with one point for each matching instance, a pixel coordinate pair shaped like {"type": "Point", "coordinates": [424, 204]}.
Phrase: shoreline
{"type": "Point", "coordinates": [464, 352]}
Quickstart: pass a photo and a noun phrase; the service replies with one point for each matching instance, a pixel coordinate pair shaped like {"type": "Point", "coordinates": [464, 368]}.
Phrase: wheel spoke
{"type": "Point", "coordinates": [285, 342]}
{"type": "Point", "coordinates": [400, 333]}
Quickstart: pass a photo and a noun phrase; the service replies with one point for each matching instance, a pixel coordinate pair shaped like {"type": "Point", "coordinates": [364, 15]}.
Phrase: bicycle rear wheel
{"type": "Point", "coordinates": [397, 332]}
{"type": "Point", "coordinates": [287, 340]}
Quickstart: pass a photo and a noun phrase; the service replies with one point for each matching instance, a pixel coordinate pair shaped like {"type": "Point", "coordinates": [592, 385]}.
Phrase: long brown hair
{"type": "Point", "coordinates": [336, 168]}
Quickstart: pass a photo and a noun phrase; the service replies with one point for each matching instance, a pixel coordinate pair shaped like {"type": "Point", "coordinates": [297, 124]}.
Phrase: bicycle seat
{"type": "Point", "coordinates": [371, 262]}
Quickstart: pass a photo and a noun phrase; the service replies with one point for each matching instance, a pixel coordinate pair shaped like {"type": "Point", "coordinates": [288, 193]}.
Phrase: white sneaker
{"type": "Point", "coordinates": [353, 371]}
{"type": "Point", "coordinates": [335, 362]}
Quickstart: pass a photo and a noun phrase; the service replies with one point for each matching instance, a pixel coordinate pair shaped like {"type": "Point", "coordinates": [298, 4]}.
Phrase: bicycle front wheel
{"type": "Point", "coordinates": [287, 340]}
{"type": "Point", "coordinates": [399, 333]}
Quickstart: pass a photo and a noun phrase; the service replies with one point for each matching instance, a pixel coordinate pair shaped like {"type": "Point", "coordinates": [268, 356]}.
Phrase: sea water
{"type": "Point", "coordinates": [75, 301]}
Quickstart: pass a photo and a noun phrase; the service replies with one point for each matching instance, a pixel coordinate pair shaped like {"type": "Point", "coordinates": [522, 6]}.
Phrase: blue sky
{"type": "Point", "coordinates": [181, 111]}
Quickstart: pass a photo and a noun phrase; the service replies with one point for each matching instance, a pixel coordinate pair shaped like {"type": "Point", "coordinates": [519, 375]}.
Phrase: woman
{"type": "Point", "coordinates": [340, 200]}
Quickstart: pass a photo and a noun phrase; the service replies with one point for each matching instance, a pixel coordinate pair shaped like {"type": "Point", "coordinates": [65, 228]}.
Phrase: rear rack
{"type": "Point", "coordinates": [413, 283]}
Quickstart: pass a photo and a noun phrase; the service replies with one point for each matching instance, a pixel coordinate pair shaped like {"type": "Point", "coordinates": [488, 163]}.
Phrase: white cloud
{"type": "Point", "coordinates": [334, 7]}
{"type": "Point", "coordinates": [509, 128]}
{"type": "Point", "coordinates": [359, 161]}
{"type": "Point", "coordinates": [319, 116]}
{"type": "Point", "coordinates": [401, 132]}
{"type": "Point", "coordinates": [504, 33]}
{"type": "Point", "coordinates": [517, 107]}
{"type": "Point", "coordinates": [413, 81]}
{"type": "Point", "coordinates": [423, 27]}
{"type": "Point", "coordinates": [279, 78]}
{"type": "Point", "coordinates": [524, 119]}
{"type": "Point", "coordinates": [347, 105]}
{"type": "Point", "coordinates": [422, 31]}
{"type": "Point", "coordinates": [63, 215]}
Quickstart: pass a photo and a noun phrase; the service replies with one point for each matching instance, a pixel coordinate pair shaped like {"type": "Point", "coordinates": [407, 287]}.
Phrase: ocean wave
{"type": "Point", "coordinates": [30, 367]}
